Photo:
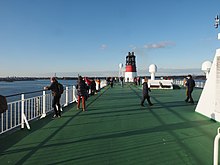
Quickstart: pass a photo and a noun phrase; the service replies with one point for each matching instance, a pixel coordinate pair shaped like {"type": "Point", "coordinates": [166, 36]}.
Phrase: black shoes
{"type": "Point", "coordinates": [192, 102]}
{"type": "Point", "coordinates": [55, 116]}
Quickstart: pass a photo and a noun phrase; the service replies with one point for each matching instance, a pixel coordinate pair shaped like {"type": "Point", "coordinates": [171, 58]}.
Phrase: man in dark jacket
{"type": "Point", "coordinates": [190, 84]}
{"type": "Point", "coordinates": [56, 96]}
{"type": "Point", "coordinates": [145, 93]}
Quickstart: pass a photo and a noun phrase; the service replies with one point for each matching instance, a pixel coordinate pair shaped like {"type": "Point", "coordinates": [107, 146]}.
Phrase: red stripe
{"type": "Point", "coordinates": [130, 68]}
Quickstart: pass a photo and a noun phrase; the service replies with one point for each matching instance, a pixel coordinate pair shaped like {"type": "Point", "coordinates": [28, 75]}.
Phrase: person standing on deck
{"type": "Point", "coordinates": [88, 82]}
{"type": "Point", "coordinates": [98, 81]}
{"type": "Point", "coordinates": [81, 92]}
{"type": "Point", "coordinates": [145, 93]}
{"type": "Point", "coordinates": [56, 96]}
{"type": "Point", "coordinates": [122, 81]}
{"type": "Point", "coordinates": [93, 87]}
{"type": "Point", "coordinates": [190, 84]}
{"type": "Point", "coordinates": [139, 81]}
{"type": "Point", "coordinates": [111, 82]}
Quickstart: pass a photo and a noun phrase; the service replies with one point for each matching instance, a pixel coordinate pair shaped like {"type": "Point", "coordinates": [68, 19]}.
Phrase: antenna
{"type": "Point", "coordinates": [216, 21]}
{"type": "Point", "coordinates": [120, 70]}
{"type": "Point", "coordinates": [217, 24]}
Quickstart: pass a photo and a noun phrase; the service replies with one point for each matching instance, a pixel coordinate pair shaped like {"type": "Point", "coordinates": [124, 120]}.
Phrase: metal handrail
{"type": "Point", "coordinates": [17, 94]}
{"type": "Point", "coordinates": [198, 84]}
{"type": "Point", "coordinates": [216, 147]}
{"type": "Point", "coordinates": [20, 112]}
{"type": "Point", "coordinates": [31, 92]}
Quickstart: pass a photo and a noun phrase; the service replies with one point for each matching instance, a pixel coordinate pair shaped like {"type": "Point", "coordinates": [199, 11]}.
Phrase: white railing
{"type": "Point", "coordinates": [216, 147]}
{"type": "Point", "coordinates": [24, 110]}
{"type": "Point", "coordinates": [198, 84]}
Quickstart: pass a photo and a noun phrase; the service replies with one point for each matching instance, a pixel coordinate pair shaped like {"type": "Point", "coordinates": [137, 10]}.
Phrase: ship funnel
{"type": "Point", "coordinates": [130, 67]}
{"type": "Point", "coordinates": [152, 70]}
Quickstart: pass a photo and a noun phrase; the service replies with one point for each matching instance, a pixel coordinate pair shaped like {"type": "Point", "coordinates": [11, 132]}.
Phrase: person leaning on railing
{"type": "Point", "coordinates": [56, 96]}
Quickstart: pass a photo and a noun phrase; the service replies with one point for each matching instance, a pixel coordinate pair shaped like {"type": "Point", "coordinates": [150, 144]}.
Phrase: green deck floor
{"type": "Point", "coordinates": [116, 130]}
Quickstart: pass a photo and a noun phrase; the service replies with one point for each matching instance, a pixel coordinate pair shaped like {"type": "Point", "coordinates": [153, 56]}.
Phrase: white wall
{"type": "Point", "coordinates": [209, 102]}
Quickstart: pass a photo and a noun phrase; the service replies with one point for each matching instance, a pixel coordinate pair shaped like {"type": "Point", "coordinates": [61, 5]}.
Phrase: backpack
{"type": "Point", "coordinates": [60, 88]}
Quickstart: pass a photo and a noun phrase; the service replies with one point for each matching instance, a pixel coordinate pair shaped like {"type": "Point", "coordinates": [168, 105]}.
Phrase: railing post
{"type": "Point", "coordinates": [74, 94]}
{"type": "Point", "coordinates": [23, 117]}
{"type": "Point", "coordinates": [67, 96]}
{"type": "Point", "coordinates": [216, 147]}
{"type": "Point", "coordinates": [44, 105]}
{"type": "Point", "coordinates": [22, 110]}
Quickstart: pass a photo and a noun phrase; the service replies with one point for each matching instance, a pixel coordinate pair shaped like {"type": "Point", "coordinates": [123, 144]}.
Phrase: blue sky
{"type": "Point", "coordinates": [41, 37]}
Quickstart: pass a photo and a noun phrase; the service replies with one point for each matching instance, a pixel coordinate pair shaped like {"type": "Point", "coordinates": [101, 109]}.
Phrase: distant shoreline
{"type": "Point", "coordinates": [12, 79]}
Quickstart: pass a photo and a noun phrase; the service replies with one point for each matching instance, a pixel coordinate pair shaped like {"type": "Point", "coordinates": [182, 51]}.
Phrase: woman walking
{"type": "Point", "coordinates": [81, 92]}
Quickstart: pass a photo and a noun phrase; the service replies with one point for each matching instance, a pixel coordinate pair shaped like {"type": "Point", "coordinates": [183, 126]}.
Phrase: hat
{"type": "Point", "coordinates": [53, 78]}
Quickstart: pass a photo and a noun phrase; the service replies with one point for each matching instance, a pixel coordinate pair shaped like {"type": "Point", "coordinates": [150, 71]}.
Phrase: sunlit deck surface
{"type": "Point", "coordinates": [116, 130]}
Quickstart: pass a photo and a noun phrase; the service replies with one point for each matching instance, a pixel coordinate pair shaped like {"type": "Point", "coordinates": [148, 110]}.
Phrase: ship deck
{"type": "Point", "coordinates": [116, 130]}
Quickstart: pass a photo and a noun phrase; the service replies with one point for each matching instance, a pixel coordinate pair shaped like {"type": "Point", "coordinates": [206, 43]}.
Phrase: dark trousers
{"type": "Point", "coordinates": [111, 83]}
{"type": "Point", "coordinates": [56, 101]}
{"type": "Point", "coordinates": [146, 96]}
{"type": "Point", "coordinates": [189, 96]}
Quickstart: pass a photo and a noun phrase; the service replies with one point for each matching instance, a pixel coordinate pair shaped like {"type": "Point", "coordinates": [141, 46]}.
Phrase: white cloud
{"type": "Point", "coordinates": [159, 45]}
{"type": "Point", "coordinates": [143, 50]}
{"type": "Point", "coordinates": [103, 46]}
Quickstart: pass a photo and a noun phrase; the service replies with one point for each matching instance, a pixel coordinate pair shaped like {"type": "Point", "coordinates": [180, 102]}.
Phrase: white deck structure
{"type": "Point", "coordinates": [209, 102]}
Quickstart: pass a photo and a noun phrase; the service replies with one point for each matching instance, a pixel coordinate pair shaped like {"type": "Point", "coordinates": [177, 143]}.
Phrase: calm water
{"type": "Point", "coordinates": [16, 87]}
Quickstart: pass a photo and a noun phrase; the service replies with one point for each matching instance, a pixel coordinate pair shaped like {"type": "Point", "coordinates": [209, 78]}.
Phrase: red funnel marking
{"type": "Point", "coordinates": [130, 68]}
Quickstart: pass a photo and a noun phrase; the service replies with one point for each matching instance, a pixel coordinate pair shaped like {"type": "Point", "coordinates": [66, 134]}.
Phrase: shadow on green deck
{"type": "Point", "coordinates": [117, 130]}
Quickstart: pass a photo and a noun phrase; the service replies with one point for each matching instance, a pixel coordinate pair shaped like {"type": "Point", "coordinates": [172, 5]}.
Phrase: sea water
{"type": "Point", "coordinates": [16, 88]}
